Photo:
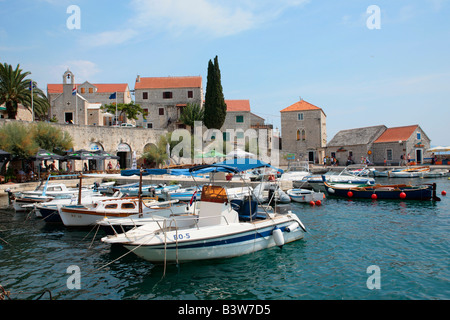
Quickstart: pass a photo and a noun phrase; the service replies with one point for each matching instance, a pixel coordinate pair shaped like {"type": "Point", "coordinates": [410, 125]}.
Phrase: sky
{"type": "Point", "coordinates": [365, 63]}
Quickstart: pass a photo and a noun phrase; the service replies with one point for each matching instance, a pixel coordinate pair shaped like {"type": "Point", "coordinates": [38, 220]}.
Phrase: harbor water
{"type": "Point", "coordinates": [353, 250]}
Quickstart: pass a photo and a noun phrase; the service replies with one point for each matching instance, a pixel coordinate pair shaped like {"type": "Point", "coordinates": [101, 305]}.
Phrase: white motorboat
{"type": "Point", "coordinates": [297, 172]}
{"type": "Point", "coordinates": [270, 191]}
{"type": "Point", "coordinates": [80, 215]}
{"type": "Point", "coordinates": [181, 194]}
{"type": "Point", "coordinates": [414, 172]}
{"type": "Point", "coordinates": [25, 200]}
{"type": "Point", "coordinates": [50, 211]}
{"type": "Point", "coordinates": [438, 173]}
{"type": "Point", "coordinates": [305, 195]}
{"type": "Point", "coordinates": [223, 228]}
{"type": "Point", "coordinates": [219, 231]}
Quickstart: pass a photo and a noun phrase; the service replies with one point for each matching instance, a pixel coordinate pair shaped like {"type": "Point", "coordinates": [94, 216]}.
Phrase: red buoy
{"type": "Point", "coordinates": [350, 194]}
{"type": "Point", "coordinates": [318, 202]}
{"type": "Point", "coordinates": [402, 195]}
{"type": "Point", "coordinates": [311, 203]}
{"type": "Point", "coordinates": [374, 196]}
{"type": "Point", "coordinates": [444, 193]}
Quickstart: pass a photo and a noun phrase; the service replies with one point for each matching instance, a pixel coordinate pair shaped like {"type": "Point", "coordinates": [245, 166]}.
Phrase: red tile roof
{"type": "Point", "coordinates": [101, 87]}
{"type": "Point", "coordinates": [397, 134]}
{"type": "Point", "coordinates": [168, 82]}
{"type": "Point", "coordinates": [238, 105]}
{"type": "Point", "coordinates": [301, 105]}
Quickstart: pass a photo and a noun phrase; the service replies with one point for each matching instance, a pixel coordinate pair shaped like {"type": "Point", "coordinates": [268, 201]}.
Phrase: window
{"type": "Point", "coordinates": [190, 94]}
{"type": "Point", "coordinates": [419, 136]}
{"type": "Point", "coordinates": [150, 125]}
{"type": "Point", "coordinates": [82, 90]}
{"type": "Point", "coordinates": [145, 112]}
{"type": "Point", "coordinates": [144, 95]}
{"type": "Point", "coordinates": [167, 95]}
{"type": "Point", "coordinates": [389, 154]}
{"type": "Point", "coordinates": [128, 205]}
{"type": "Point", "coordinates": [301, 135]}
{"type": "Point", "coordinates": [161, 111]}
{"type": "Point", "coordinates": [299, 116]}
{"type": "Point", "coordinates": [111, 206]}
{"type": "Point", "coordinates": [239, 119]}
{"type": "Point", "coordinates": [91, 90]}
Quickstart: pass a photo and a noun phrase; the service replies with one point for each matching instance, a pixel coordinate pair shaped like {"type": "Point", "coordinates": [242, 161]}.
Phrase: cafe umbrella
{"type": "Point", "coordinates": [44, 155]}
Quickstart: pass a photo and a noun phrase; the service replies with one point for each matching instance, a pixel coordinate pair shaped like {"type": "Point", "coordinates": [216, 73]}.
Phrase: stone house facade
{"type": "Point", "coordinates": [80, 103]}
{"type": "Point", "coordinates": [399, 142]}
{"type": "Point", "coordinates": [303, 132]}
{"type": "Point", "coordinates": [351, 145]}
{"type": "Point", "coordinates": [163, 100]}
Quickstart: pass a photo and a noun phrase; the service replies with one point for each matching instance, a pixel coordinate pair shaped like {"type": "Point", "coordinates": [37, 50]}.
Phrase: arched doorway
{"type": "Point", "coordinates": [124, 152]}
{"type": "Point", "coordinates": [96, 164]}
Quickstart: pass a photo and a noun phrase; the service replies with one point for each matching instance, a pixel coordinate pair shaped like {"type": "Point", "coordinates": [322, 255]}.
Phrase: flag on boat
{"type": "Point", "coordinates": [194, 196]}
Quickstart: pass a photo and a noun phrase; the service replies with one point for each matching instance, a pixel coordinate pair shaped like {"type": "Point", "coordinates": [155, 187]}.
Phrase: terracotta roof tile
{"type": "Point", "coordinates": [238, 105]}
{"type": "Point", "coordinates": [396, 134]}
{"type": "Point", "coordinates": [168, 82]}
{"type": "Point", "coordinates": [101, 87]}
{"type": "Point", "coordinates": [301, 105]}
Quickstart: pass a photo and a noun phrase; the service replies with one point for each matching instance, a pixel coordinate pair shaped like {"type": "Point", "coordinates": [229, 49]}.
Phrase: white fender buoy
{"type": "Point", "coordinates": [278, 237]}
{"type": "Point", "coordinates": [292, 227]}
{"type": "Point", "coordinates": [330, 190]}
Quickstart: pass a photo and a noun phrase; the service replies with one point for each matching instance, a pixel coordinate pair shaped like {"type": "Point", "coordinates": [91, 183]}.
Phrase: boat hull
{"type": "Point", "coordinates": [387, 193]}
{"type": "Point", "coordinates": [198, 244]}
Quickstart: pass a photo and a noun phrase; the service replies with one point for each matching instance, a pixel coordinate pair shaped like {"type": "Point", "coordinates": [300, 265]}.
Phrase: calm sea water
{"type": "Point", "coordinates": [408, 242]}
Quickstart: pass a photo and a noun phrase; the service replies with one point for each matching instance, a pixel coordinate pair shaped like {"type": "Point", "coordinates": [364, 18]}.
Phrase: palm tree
{"type": "Point", "coordinates": [15, 90]}
{"type": "Point", "coordinates": [190, 114]}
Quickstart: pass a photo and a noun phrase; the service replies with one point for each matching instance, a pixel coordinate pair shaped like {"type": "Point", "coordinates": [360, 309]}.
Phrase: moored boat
{"type": "Point", "coordinates": [414, 172]}
{"type": "Point", "coordinates": [385, 192]}
{"type": "Point", "coordinates": [305, 195]}
{"type": "Point", "coordinates": [221, 230]}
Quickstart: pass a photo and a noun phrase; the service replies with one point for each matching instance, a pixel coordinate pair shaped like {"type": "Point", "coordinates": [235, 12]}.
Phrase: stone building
{"type": "Point", "coordinates": [353, 144]}
{"type": "Point", "coordinates": [80, 103]}
{"type": "Point", "coordinates": [239, 120]}
{"type": "Point", "coordinates": [403, 141]}
{"type": "Point", "coordinates": [303, 132]}
{"type": "Point", "coordinates": [163, 99]}
{"type": "Point", "coordinates": [381, 145]}
{"type": "Point", "coordinates": [23, 113]}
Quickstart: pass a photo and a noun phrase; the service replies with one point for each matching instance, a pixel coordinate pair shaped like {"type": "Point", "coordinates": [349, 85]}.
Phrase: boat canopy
{"type": "Point", "coordinates": [231, 165]}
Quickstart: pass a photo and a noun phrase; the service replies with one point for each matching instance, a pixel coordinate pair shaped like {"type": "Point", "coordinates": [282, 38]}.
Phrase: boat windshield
{"type": "Point", "coordinates": [214, 194]}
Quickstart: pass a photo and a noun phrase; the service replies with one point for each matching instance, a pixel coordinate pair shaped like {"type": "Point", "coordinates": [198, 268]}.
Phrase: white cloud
{"type": "Point", "coordinates": [83, 70]}
{"type": "Point", "coordinates": [108, 38]}
{"type": "Point", "coordinates": [211, 18]}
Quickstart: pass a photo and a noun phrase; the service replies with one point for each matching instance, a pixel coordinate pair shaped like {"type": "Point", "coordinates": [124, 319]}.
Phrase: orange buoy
{"type": "Point", "coordinates": [318, 202]}
{"type": "Point", "coordinates": [444, 193]}
{"type": "Point", "coordinates": [350, 194]}
{"type": "Point", "coordinates": [311, 203]}
{"type": "Point", "coordinates": [402, 195]}
{"type": "Point", "coordinates": [374, 196]}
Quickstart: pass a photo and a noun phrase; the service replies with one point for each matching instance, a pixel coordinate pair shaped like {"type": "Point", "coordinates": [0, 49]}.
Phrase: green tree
{"type": "Point", "coordinates": [190, 114]}
{"type": "Point", "coordinates": [15, 90]}
{"type": "Point", "coordinates": [51, 138]}
{"type": "Point", "coordinates": [131, 110]}
{"type": "Point", "coordinates": [16, 139]}
{"type": "Point", "coordinates": [158, 154]}
{"type": "Point", "coordinates": [215, 108]}
{"type": "Point", "coordinates": [23, 141]}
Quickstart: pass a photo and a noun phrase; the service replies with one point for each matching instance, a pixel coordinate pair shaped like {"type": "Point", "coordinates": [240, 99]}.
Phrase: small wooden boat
{"type": "Point", "coordinates": [415, 172]}
{"type": "Point", "coordinates": [305, 195]}
{"type": "Point", "coordinates": [391, 192]}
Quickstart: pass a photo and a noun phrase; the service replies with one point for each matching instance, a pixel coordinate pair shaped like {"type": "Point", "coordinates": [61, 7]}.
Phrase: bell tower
{"type": "Point", "coordinates": [68, 77]}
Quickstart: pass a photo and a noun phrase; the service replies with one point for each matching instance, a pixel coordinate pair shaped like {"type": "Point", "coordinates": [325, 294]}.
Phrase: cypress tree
{"type": "Point", "coordinates": [215, 109]}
